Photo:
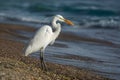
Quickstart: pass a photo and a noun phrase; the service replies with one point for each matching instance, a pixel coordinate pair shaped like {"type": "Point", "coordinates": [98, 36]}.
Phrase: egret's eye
{"type": "Point", "coordinates": [61, 18]}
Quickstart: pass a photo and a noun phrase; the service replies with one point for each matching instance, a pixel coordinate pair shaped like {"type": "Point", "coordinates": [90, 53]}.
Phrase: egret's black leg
{"type": "Point", "coordinates": [43, 65]}
{"type": "Point", "coordinates": [41, 59]}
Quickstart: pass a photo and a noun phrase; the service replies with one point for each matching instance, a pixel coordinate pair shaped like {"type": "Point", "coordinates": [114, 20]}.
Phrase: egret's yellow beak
{"type": "Point", "coordinates": [68, 22]}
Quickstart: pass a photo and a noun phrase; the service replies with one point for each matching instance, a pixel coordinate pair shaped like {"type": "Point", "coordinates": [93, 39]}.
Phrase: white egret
{"type": "Point", "coordinates": [45, 36]}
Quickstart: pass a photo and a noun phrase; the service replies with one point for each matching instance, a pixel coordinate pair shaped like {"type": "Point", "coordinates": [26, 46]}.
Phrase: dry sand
{"type": "Point", "coordinates": [14, 66]}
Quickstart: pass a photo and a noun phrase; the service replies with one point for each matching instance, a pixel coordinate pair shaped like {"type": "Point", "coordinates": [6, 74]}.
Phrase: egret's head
{"type": "Point", "coordinates": [62, 19]}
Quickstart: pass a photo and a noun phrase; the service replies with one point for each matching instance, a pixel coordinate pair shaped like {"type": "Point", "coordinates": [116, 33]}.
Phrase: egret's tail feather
{"type": "Point", "coordinates": [27, 50]}
{"type": "Point", "coordinates": [26, 54]}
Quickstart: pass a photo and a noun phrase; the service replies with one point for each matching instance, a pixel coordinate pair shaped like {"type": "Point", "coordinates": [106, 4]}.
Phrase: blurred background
{"type": "Point", "coordinates": [93, 43]}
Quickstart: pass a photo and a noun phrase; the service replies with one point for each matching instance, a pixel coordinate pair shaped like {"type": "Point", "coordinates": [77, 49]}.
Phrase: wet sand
{"type": "Point", "coordinates": [15, 66]}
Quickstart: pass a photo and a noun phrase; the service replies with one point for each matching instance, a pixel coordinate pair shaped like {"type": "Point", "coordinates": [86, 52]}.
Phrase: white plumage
{"type": "Point", "coordinates": [45, 36]}
{"type": "Point", "coordinates": [41, 39]}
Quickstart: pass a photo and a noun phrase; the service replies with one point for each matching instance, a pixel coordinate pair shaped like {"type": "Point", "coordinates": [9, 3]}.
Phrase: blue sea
{"type": "Point", "coordinates": [95, 37]}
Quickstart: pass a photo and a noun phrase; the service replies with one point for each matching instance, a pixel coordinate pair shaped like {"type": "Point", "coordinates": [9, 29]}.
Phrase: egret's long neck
{"type": "Point", "coordinates": [57, 27]}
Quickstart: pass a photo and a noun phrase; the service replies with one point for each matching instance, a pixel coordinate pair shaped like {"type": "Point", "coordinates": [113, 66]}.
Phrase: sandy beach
{"type": "Point", "coordinates": [15, 66]}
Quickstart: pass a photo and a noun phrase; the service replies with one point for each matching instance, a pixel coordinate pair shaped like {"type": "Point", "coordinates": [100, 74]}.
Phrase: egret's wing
{"type": "Point", "coordinates": [41, 39]}
{"type": "Point", "coordinates": [52, 42]}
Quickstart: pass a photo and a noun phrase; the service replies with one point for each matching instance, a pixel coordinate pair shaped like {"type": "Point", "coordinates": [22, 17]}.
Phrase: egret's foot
{"type": "Point", "coordinates": [43, 66]}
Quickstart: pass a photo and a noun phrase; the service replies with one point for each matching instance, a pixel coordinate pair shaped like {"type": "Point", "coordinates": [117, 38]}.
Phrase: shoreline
{"type": "Point", "coordinates": [27, 68]}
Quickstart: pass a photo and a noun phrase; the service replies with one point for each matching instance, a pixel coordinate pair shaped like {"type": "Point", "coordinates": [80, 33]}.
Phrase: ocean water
{"type": "Point", "coordinates": [95, 38]}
